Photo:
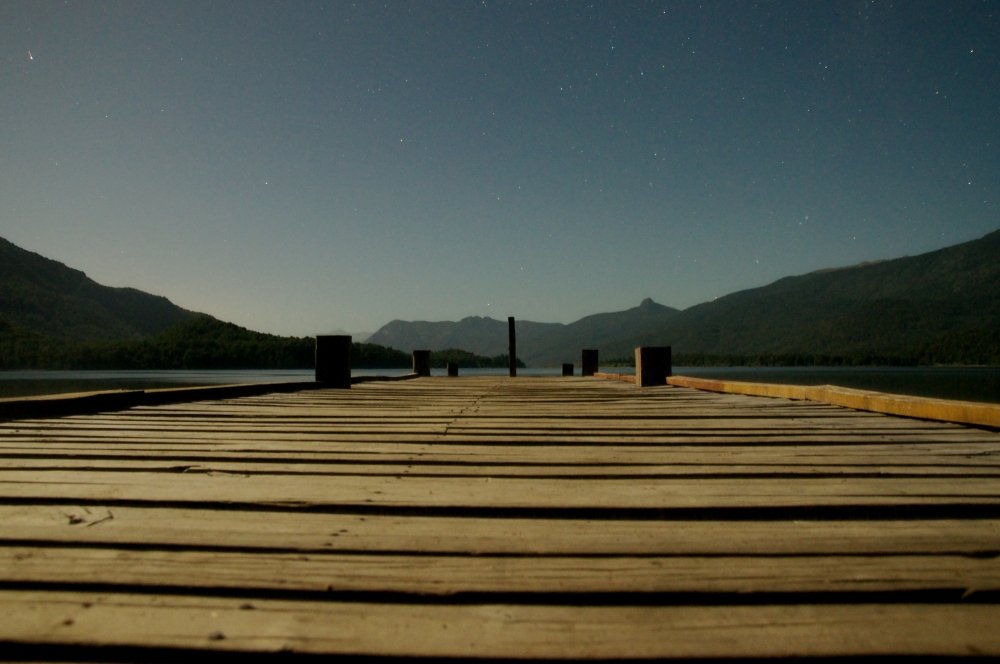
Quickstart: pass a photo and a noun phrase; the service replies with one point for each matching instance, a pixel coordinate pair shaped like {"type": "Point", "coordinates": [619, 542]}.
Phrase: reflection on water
{"type": "Point", "coordinates": [967, 383]}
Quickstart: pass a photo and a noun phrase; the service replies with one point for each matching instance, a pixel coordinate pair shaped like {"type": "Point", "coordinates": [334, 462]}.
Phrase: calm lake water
{"type": "Point", "coordinates": [968, 383]}
{"type": "Point", "coordinates": [34, 383]}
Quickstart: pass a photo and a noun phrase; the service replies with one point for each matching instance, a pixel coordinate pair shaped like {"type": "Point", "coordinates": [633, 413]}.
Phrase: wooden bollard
{"type": "Point", "coordinates": [589, 361]}
{"type": "Point", "coordinates": [453, 368]}
{"type": "Point", "coordinates": [567, 369]}
{"type": "Point", "coordinates": [652, 365]}
{"type": "Point", "coordinates": [512, 346]}
{"type": "Point", "coordinates": [422, 362]}
{"type": "Point", "coordinates": [333, 361]}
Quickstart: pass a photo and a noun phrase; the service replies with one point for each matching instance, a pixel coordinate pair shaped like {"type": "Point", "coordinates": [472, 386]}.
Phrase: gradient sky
{"type": "Point", "coordinates": [304, 166]}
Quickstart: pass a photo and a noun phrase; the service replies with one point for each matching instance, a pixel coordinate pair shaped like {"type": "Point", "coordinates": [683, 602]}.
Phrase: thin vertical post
{"type": "Point", "coordinates": [567, 369]}
{"type": "Point", "coordinates": [333, 361]}
{"type": "Point", "coordinates": [589, 361]}
{"type": "Point", "coordinates": [652, 365]}
{"type": "Point", "coordinates": [512, 346]}
{"type": "Point", "coordinates": [453, 369]}
{"type": "Point", "coordinates": [422, 362]}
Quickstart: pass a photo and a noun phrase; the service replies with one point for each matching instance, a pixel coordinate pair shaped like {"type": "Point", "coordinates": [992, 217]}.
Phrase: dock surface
{"type": "Point", "coordinates": [496, 517]}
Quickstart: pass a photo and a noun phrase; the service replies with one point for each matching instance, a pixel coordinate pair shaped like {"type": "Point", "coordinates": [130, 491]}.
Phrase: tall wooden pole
{"type": "Point", "coordinates": [333, 361]}
{"type": "Point", "coordinates": [512, 346]}
{"type": "Point", "coordinates": [589, 362]}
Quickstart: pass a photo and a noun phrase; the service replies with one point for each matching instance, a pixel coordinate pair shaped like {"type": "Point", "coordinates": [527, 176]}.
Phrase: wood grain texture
{"type": "Point", "coordinates": [478, 516]}
{"type": "Point", "coordinates": [451, 575]}
{"type": "Point", "coordinates": [498, 630]}
{"type": "Point", "coordinates": [304, 531]}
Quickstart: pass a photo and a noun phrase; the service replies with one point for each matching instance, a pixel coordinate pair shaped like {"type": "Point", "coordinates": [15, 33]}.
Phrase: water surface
{"type": "Point", "coordinates": [967, 383]}
{"type": "Point", "coordinates": [32, 383]}
{"type": "Point", "coordinates": [35, 383]}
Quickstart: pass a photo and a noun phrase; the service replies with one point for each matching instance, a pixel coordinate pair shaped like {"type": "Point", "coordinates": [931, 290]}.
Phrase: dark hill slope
{"type": "Point", "coordinates": [599, 331]}
{"type": "Point", "coordinates": [482, 336]}
{"type": "Point", "coordinates": [199, 343]}
{"type": "Point", "coordinates": [537, 343]}
{"type": "Point", "coordinates": [44, 296]}
{"type": "Point", "coordinates": [877, 308]}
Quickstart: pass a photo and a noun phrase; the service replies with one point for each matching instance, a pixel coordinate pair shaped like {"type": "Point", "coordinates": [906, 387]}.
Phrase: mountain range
{"type": "Point", "coordinates": [942, 306]}
{"type": "Point", "coordinates": [872, 308]}
{"type": "Point", "coordinates": [537, 343]}
{"type": "Point", "coordinates": [941, 299]}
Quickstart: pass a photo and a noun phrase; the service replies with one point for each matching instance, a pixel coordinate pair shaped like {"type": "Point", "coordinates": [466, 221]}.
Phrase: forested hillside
{"type": "Point", "coordinates": [203, 343]}
{"type": "Point", "coordinates": [941, 306]}
{"type": "Point", "coordinates": [41, 295]}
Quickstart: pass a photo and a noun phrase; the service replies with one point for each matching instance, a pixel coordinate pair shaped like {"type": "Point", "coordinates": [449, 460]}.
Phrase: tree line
{"type": "Point", "coordinates": [207, 343]}
{"type": "Point", "coordinates": [204, 343]}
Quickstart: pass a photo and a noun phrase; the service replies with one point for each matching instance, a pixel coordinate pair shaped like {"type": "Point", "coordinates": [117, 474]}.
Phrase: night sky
{"type": "Point", "coordinates": [304, 166]}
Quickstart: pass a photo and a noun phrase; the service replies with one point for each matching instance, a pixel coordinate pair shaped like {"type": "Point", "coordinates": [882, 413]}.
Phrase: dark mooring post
{"type": "Point", "coordinates": [512, 346]}
{"type": "Point", "coordinates": [652, 365]}
{"type": "Point", "coordinates": [453, 368]}
{"type": "Point", "coordinates": [589, 361]}
{"type": "Point", "coordinates": [567, 369]}
{"type": "Point", "coordinates": [333, 361]}
{"type": "Point", "coordinates": [422, 362]}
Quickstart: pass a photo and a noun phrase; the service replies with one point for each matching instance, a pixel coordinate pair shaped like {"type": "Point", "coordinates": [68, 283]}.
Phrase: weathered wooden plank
{"type": "Point", "coordinates": [294, 531]}
{"type": "Point", "coordinates": [457, 426]}
{"type": "Point", "coordinates": [929, 455]}
{"type": "Point", "coordinates": [580, 417]}
{"type": "Point", "coordinates": [448, 575]}
{"type": "Point", "coordinates": [422, 468]}
{"type": "Point", "coordinates": [859, 458]}
{"type": "Point", "coordinates": [765, 454]}
{"type": "Point", "coordinates": [499, 630]}
{"type": "Point", "coordinates": [693, 427]}
{"type": "Point", "coordinates": [633, 493]}
{"type": "Point", "coordinates": [439, 445]}
{"type": "Point", "coordinates": [373, 435]}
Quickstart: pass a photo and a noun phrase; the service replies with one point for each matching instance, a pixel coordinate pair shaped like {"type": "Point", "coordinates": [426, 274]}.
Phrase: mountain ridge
{"type": "Point", "coordinates": [42, 295]}
{"type": "Point", "coordinates": [941, 304]}
{"type": "Point", "coordinates": [550, 343]}
{"type": "Point", "coordinates": [878, 307]}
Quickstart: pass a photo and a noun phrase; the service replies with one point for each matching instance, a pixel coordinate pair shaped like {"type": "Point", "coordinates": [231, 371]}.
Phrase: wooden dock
{"type": "Point", "coordinates": [501, 518]}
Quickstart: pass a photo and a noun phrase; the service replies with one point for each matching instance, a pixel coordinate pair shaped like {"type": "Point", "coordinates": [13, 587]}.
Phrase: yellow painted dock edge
{"type": "Point", "coordinates": [942, 410]}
